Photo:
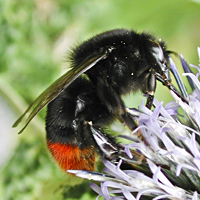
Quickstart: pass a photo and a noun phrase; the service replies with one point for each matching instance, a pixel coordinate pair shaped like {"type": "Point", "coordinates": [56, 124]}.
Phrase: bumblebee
{"type": "Point", "coordinates": [88, 98]}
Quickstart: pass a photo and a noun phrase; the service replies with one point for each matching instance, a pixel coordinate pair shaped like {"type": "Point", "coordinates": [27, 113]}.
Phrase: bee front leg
{"type": "Point", "coordinates": [151, 87]}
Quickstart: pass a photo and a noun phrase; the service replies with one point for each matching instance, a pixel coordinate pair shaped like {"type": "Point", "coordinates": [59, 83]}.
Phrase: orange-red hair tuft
{"type": "Point", "coordinates": [71, 157]}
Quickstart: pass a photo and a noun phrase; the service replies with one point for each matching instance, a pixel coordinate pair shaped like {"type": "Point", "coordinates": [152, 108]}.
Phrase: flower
{"type": "Point", "coordinates": [170, 166]}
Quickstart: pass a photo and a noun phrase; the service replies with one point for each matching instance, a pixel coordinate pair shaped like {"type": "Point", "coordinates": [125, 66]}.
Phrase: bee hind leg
{"type": "Point", "coordinates": [106, 144]}
{"type": "Point", "coordinates": [113, 151]}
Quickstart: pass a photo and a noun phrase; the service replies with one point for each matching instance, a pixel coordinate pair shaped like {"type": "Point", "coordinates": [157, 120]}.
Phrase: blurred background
{"type": "Point", "coordinates": [35, 36]}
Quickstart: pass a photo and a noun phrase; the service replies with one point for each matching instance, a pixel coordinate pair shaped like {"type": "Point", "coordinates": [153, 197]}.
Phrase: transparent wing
{"type": "Point", "coordinates": [56, 88]}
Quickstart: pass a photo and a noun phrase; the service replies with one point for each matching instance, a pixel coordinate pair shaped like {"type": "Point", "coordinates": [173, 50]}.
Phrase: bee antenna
{"type": "Point", "coordinates": [173, 52]}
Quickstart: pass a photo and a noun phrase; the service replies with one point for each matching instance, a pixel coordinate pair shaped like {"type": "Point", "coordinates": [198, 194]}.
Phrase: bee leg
{"type": "Point", "coordinates": [112, 150]}
{"type": "Point", "coordinates": [128, 120]}
{"type": "Point", "coordinates": [106, 144]}
{"type": "Point", "coordinates": [115, 105]}
{"type": "Point", "coordinates": [151, 87]}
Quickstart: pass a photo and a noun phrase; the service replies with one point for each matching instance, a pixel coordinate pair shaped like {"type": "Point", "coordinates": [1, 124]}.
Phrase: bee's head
{"type": "Point", "coordinates": [161, 62]}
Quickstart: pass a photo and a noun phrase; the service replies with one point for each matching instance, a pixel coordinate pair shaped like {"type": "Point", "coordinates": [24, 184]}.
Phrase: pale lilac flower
{"type": "Point", "coordinates": [170, 146]}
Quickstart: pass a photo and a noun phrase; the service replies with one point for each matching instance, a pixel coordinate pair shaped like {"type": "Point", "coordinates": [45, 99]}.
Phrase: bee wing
{"type": "Point", "coordinates": [57, 87]}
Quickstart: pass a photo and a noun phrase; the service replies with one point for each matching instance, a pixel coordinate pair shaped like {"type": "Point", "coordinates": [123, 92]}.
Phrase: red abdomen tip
{"type": "Point", "coordinates": [72, 158]}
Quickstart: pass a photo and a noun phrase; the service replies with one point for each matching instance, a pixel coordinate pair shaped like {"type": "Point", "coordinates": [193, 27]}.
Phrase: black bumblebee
{"type": "Point", "coordinates": [87, 98]}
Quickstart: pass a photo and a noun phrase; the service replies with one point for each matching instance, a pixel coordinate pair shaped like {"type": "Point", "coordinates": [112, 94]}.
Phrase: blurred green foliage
{"type": "Point", "coordinates": [34, 38]}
